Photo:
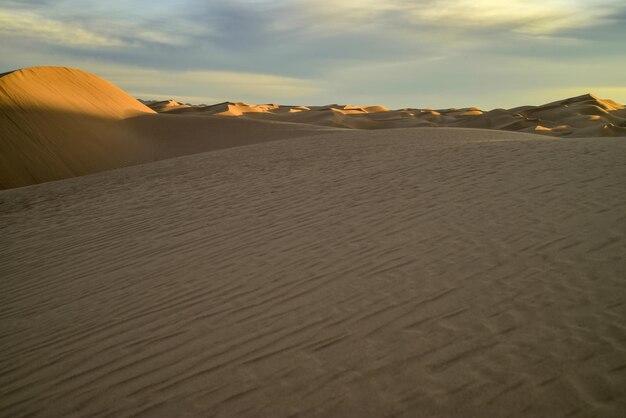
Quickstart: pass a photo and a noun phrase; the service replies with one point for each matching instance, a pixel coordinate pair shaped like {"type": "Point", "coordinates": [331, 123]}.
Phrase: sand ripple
{"type": "Point", "coordinates": [445, 272]}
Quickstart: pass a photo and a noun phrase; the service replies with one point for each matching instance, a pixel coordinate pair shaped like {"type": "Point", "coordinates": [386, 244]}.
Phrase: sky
{"type": "Point", "coordinates": [398, 53]}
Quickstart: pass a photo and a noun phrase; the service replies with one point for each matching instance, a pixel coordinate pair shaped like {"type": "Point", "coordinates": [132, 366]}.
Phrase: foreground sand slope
{"type": "Point", "coordinates": [581, 116]}
{"type": "Point", "coordinates": [58, 122]}
{"type": "Point", "coordinates": [429, 272]}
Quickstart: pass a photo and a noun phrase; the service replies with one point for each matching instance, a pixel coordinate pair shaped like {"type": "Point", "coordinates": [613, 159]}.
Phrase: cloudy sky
{"type": "Point", "coordinates": [400, 53]}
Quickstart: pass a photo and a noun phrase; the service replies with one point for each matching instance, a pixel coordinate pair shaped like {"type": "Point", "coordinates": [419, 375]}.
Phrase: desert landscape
{"type": "Point", "coordinates": [168, 259]}
{"type": "Point", "coordinates": [61, 122]}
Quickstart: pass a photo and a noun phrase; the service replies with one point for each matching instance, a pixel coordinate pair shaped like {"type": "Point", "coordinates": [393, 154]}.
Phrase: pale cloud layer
{"type": "Point", "coordinates": [400, 53]}
{"type": "Point", "coordinates": [523, 16]}
{"type": "Point", "coordinates": [14, 24]}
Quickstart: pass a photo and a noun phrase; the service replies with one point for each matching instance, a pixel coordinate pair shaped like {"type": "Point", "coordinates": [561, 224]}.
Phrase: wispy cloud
{"type": "Point", "coordinates": [101, 24]}
{"type": "Point", "coordinates": [29, 25]}
{"type": "Point", "coordinates": [522, 16]}
{"type": "Point", "coordinates": [536, 18]}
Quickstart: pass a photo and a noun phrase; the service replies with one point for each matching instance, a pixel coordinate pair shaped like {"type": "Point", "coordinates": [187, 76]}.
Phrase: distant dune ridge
{"type": "Point", "coordinates": [582, 116]}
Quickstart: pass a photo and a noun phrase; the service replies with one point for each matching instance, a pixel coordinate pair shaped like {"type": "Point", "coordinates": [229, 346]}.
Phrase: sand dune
{"type": "Point", "coordinates": [67, 89]}
{"type": "Point", "coordinates": [581, 116]}
{"type": "Point", "coordinates": [58, 122]}
{"type": "Point", "coordinates": [429, 272]}
{"type": "Point", "coordinates": [166, 105]}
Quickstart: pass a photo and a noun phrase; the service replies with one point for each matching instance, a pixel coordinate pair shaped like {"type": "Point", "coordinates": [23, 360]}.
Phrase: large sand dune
{"type": "Point", "coordinates": [58, 122]}
{"type": "Point", "coordinates": [432, 272]}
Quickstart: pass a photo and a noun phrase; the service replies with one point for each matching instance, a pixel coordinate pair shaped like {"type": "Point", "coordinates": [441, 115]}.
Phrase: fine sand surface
{"type": "Point", "coordinates": [405, 272]}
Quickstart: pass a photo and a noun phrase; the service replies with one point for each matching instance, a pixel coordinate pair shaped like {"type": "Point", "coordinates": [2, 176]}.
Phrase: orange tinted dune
{"type": "Point", "coordinates": [58, 122]}
{"type": "Point", "coordinates": [167, 105]}
{"type": "Point", "coordinates": [68, 89]}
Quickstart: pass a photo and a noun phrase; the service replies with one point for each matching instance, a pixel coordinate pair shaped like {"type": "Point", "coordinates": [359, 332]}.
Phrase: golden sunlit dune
{"type": "Point", "coordinates": [66, 89]}
{"type": "Point", "coordinates": [167, 105]}
{"type": "Point", "coordinates": [58, 122]}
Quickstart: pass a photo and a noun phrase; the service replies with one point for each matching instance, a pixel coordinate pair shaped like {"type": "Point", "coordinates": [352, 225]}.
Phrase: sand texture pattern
{"type": "Point", "coordinates": [405, 272]}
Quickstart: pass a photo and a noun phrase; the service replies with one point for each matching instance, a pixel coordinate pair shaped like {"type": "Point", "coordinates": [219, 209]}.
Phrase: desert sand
{"type": "Point", "coordinates": [318, 271]}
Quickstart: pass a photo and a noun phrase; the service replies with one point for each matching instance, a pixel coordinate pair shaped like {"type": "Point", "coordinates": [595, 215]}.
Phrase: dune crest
{"type": "Point", "coordinates": [69, 89]}
{"type": "Point", "coordinates": [167, 105]}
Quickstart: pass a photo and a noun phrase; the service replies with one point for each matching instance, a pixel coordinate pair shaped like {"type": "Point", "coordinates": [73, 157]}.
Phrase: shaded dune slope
{"type": "Point", "coordinates": [176, 135]}
{"type": "Point", "coordinates": [431, 272]}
